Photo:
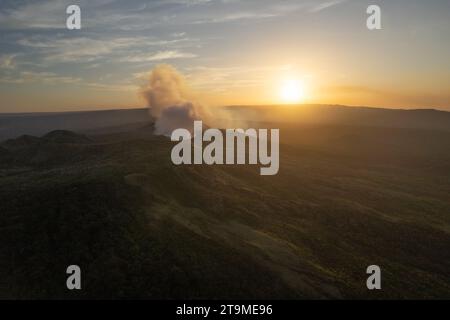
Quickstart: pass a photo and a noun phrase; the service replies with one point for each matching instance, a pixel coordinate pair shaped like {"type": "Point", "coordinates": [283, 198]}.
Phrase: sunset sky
{"type": "Point", "coordinates": [231, 52]}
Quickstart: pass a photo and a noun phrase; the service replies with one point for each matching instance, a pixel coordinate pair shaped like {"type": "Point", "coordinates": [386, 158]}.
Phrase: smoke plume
{"type": "Point", "coordinates": [170, 101]}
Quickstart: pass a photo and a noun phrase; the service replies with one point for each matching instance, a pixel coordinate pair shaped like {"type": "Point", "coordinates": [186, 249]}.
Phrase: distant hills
{"type": "Point", "coordinates": [94, 122]}
{"type": "Point", "coordinates": [17, 124]}
{"type": "Point", "coordinates": [344, 115]}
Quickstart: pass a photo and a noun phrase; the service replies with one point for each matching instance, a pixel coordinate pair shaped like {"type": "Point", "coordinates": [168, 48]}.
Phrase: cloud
{"type": "Point", "coordinates": [144, 15]}
{"type": "Point", "coordinates": [220, 79]}
{"type": "Point", "coordinates": [41, 77]}
{"type": "Point", "coordinates": [111, 14]}
{"type": "Point", "coordinates": [84, 49]}
{"type": "Point", "coordinates": [178, 34]}
{"type": "Point", "coordinates": [44, 14]}
{"type": "Point", "coordinates": [50, 78]}
{"type": "Point", "coordinates": [326, 5]}
{"type": "Point", "coordinates": [253, 11]}
{"type": "Point", "coordinates": [159, 56]}
{"type": "Point", "coordinates": [237, 16]}
{"type": "Point", "coordinates": [79, 49]}
{"type": "Point", "coordinates": [7, 61]}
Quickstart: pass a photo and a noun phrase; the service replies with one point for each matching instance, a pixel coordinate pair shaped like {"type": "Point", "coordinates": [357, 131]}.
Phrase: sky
{"type": "Point", "coordinates": [231, 52]}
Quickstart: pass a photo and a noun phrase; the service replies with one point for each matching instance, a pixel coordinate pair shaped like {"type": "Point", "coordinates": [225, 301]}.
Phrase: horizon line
{"type": "Point", "coordinates": [237, 105]}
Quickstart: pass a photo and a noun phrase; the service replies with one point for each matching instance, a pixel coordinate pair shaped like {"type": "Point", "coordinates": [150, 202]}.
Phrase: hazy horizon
{"type": "Point", "coordinates": [297, 105]}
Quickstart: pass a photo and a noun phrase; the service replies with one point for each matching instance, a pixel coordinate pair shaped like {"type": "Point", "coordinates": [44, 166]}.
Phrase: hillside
{"type": "Point", "coordinates": [139, 227]}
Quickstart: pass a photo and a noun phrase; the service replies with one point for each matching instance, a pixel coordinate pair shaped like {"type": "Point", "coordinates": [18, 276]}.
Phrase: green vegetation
{"type": "Point", "coordinates": [140, 227]}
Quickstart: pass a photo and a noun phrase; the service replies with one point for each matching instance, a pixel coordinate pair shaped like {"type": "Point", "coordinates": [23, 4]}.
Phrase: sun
{"type": "Point", "coordinates": [292, 91]}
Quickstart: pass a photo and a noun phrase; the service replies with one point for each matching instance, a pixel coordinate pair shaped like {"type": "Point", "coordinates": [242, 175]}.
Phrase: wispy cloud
{"type": "Point", "coordinates": [215, 78]}
{"type": "Point", "coordinates": [326, 5]}
{"type": "Point", "coordinates": [159, 56]}
{"type": "Point", "coordinates": [44, 14]}
{"type": "Point", "coordinates": [50, 78]}
{"type": "Point", "coordinates": [77, 49]}
{"type": "Point", "coordinates": [256, 11]}
{"type": "Point", "coordinates": [41, 77]}
{"type": "Point", "coordinates": [236, 16]}
{"type": "Point", "coordinates": [85, 49]}
{"type": "Point", "coordinates": [7, 61]}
